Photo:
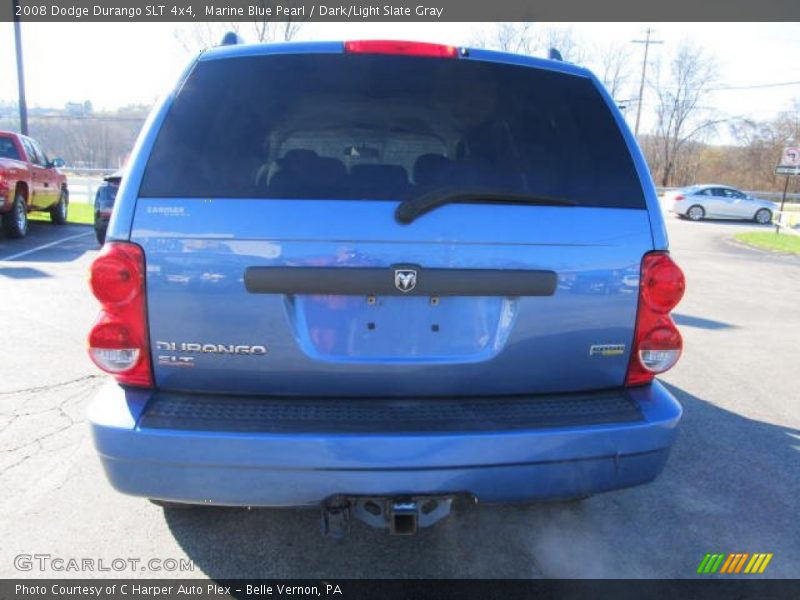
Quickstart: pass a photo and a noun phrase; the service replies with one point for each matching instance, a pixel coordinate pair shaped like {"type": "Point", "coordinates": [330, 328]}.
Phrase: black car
{"type": "Point", "coordinates": [104, 203]}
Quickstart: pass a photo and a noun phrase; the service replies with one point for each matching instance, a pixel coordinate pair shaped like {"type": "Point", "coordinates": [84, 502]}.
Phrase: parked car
{"type": "Point", "coordinates": [373, 277]}
{"type": "Point", "coordinates": [104, 204]}
{"type": "Point", "coordinates": [713, 201]}
{"type": "Point", "coordinates": [29, 181]}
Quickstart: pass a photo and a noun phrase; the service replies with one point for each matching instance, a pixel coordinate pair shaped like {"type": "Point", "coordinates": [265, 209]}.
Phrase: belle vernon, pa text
{"type": "Point", "coordinates": [312, 10]}
{"type": "Point", "coordinates": [211, 589]}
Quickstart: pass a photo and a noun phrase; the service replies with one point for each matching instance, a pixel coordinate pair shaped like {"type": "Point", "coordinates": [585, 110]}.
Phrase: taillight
{"type": "Point", "coordinates": [118, 341]}
{"type": "Point", "coordinates": [679, 197]}
{"type": "Point", "coordinates": [657, 342]}
{"type": "Point", "coordinates": [398, 47]}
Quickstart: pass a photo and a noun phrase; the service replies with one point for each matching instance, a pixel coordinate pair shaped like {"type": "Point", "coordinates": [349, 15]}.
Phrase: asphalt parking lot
{"type": "Point", "coordinates": [731, 485]}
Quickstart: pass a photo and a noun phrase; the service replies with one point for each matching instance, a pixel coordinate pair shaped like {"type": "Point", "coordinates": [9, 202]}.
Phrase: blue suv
{"type": "Point", "coordinates": [375, 277]}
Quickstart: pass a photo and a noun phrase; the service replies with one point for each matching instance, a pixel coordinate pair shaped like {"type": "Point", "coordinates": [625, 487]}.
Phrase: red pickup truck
{"type": "Point", "coordinates": [29, 181]}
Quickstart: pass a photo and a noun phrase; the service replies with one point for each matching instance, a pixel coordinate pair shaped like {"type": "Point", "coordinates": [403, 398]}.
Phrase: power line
{"type": "Point", "coordinates": [646, 43]}
{"type": "Point", "coordinates": [754, 86]}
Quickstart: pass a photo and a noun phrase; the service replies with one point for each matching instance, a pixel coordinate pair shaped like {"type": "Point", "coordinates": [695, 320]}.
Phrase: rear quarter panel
{"type": "Point", "coordinates": [13, 172]}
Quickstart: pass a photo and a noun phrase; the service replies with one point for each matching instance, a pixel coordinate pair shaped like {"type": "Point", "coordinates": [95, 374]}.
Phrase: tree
{"type": "Point", "coordinates": [205, 35]}
{"type": "Point", "coordinates": [507, 37]}
{"type": "Point", "coordinates": [528, 38]}
{"type": "Point", "coordinates": [681, 111]}
{"type": "Point", "coordinates": [759, 147]}
{"type": "Point", "coordinates": [613, 67]}
{"type": "Point", "coordinates": [571, 47]}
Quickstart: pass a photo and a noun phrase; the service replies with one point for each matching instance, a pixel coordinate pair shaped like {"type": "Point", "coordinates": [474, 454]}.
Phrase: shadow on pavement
{"type": "Point", "coordinates": [700, 322]}
{"type": "Point", "coordinates": [42, 233]}
{"type": "Point", "coordinates": [740, 223]}
{"type": "Point", "coordinates": [731, 485]}
{"type": "Point", "coordinates": [22, 273]}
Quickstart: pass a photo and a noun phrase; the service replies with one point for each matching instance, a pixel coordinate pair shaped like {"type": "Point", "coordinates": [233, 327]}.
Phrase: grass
{"type": "Point", "coordinates": [785, 242]}
{"type": "Point", "coordinates": [82, 214]}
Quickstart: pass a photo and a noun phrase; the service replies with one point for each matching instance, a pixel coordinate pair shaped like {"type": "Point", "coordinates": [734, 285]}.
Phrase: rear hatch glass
{"type": "Point", "coordinates": [343, 126]}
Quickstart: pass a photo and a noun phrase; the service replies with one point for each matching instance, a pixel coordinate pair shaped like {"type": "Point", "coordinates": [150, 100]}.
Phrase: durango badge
{"type": "Point", "coordinates": [405, 280]}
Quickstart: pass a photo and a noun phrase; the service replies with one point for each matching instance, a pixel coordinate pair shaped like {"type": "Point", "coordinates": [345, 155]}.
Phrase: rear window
{"type": "Point", "coordinates": [8, 149]}
{"type": "Point", "coordinates": [343, 126]}
{"type": "Point", "coordinates": [106, 194]}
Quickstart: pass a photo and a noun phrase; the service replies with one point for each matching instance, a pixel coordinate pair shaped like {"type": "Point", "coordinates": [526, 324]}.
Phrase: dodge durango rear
{"type": "Point", "coordinates": [376, 277]}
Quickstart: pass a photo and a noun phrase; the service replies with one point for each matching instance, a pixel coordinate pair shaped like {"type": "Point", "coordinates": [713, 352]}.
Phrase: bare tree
{"type": "Point", "coordinates": [528, 38]}
{"type": "Point", "coordinates": [571, 47]}
{"type": "Point", "coordinates": [507, 37]}
{"type": "Point", "coordinates": [681, 111]}
{"type": "Point", "coordinates": [613, 67]}
{"type": "Point", "coordinates": [266, 29]}
{"type": "Point", "coordinates": [759, 147]}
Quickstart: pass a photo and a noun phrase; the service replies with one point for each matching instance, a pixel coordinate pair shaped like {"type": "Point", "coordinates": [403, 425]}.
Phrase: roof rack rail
{"type": "Point", "coordinates": [554, 54]}
{"type": "Point", "coordinates": [231, 39]}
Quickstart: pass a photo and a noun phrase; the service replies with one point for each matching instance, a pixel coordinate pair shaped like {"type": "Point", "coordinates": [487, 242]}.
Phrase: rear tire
{"type": "Point", "coordinates": [696, 213]}
{"type": "Point", "coordinates": [763, 216]}
{"type": "Point", "coordinates": [15, 221]}
{"type": "Point", "coordinates": [58, 213]}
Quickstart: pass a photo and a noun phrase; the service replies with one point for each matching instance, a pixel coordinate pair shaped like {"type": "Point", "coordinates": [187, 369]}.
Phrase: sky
{"type": "Point", "coordinates": [114, 64]}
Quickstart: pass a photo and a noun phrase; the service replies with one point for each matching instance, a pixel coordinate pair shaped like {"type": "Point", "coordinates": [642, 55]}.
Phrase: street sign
{"type": "Point", "coordinates": [791, 157]}
{"type": "Point", "coordinates": [790, 162]}
{"type": "Point", "coordinates": [789, 166]}
{"type": "Point", "coordinates": [787, 170]}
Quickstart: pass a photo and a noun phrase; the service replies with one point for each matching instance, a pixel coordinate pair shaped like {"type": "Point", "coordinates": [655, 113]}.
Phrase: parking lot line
{"type": "Point", "coordinates": [44, 246]}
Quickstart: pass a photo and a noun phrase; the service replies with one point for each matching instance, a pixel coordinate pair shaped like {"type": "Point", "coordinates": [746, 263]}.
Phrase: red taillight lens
{"type": "Point", "coordinates": [662, 282]}
{"type": "Point", "coordinates": [398, 47]}
{"type": "Point", "coordinates": [679, 197]}
{"type": "Point", "coordinates": [115, 276]}
{"type": "Point", "coordinates": [657, 344]}
{"type": "Point", "coordinates": [118, 341]}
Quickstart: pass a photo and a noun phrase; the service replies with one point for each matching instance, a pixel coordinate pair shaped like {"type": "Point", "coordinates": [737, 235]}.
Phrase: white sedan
{"type": "Point", "coordinates": [717, 202]}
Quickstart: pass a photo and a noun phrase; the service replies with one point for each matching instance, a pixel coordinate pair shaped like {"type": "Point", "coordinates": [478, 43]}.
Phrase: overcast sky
{"type": "Point", "coordinates": [126, 63]}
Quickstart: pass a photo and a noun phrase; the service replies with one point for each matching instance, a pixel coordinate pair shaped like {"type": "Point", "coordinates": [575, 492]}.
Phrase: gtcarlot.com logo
{"type": "Point", "coordinates": [47, 562]}
{"type": "Point", "coordinates": [734, 563]}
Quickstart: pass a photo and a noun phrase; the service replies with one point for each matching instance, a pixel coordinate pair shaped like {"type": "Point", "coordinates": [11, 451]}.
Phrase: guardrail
{"type": "Point", "coordinates": [82, 189]}
{"type": "Point", "coordinates": [77, 172]}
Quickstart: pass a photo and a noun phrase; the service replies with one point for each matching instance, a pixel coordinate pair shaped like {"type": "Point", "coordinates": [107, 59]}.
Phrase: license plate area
{"type": "Point", "coordinates": [401, 328]}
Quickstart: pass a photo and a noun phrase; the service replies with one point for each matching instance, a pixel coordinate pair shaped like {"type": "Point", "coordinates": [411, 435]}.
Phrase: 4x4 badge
{"type": "Point", "coordinates": [405, 279]}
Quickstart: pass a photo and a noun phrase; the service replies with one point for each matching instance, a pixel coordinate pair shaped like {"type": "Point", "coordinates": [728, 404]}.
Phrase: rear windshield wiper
{"type": "Point", "coordinates": [410, 209]}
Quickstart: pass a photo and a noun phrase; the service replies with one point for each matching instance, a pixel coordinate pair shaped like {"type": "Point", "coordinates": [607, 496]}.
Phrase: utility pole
{"type": "Point", "coordinates": [647, 41]}
{"type": "Point", "coordinates": [23, 107]}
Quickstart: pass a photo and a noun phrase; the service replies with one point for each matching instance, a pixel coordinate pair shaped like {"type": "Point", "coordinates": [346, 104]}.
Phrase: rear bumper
{"type": "Point", "coordinates": [678, 209]}
{"type": "Point", "coordinates": [494, 463]}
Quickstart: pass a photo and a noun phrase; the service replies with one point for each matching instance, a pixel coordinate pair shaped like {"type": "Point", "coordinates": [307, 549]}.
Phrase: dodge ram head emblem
{"type": "Point", "coordinates": [405, 279]}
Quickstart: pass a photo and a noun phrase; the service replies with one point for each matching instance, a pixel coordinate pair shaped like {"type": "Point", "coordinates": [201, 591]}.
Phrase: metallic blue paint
{"type": "Point", "coordinates": [196, 255]}
{"type": "Point", "coordinates": [305, 469]}
{"type": "Point", "coordinates": [197, 252]}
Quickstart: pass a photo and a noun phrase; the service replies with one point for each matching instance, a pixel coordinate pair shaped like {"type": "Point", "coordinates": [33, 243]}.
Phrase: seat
{"type": "Point", "coordinates": [378, 181]}
{"type": "Point", "coordinates": [304, 174]}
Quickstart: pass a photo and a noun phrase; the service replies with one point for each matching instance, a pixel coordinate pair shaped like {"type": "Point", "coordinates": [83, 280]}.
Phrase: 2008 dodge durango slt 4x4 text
{"type": "Point", "coordinates": [377, 276]}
